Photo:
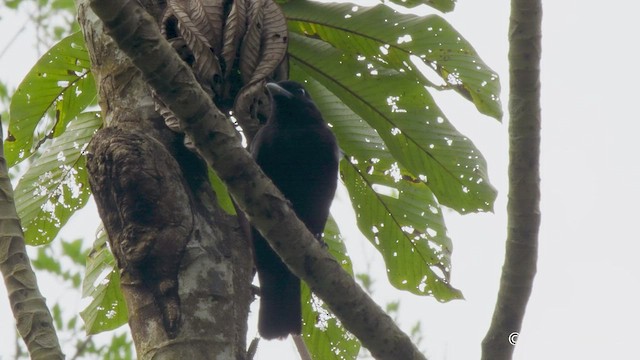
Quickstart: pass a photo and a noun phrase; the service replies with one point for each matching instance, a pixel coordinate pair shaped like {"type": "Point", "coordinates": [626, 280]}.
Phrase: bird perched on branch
{"type": "Point", "coordinates": [298, 151]}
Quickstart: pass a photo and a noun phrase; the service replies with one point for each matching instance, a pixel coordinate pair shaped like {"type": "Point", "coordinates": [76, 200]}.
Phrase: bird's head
{"type": "Point", "coordinates": [292, 104]}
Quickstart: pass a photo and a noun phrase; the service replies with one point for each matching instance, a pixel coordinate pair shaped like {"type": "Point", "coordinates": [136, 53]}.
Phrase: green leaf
{"type": "Point", "coordinates": [383, 37]}
{"type": "Point", "coordinates": [407, 119]}
{"type": "Point", "coordinates": [393, 307]}
{"type": "Point", "coordinates": [396, 212]}
{"type": "Point", "coordinates": [72, 322]}
{"type": "Point", "coordinates": [44, 261]}
{"type": "Point", "coordinates": [119, 348]}
{"type": "Point", "coordinates": [365, 281]}
{"type": "Point", "coordinates": [73, 249]}
{"type": "Point", "coordinates": [395, 219]}
{"type": "Point", "coordinates": [4, 93]}
{"type": "Point", "coordinates": [335, 242]}
{"type": "Point", "coordinates": [12, 4]}
{"type": "Point", "coordinates": [107, 309]}
{"type": "Point", "coordinates": [56, 184]}
{"type": "Point", "coordinates": [76, 280]}
{"type": "Point", "coordinates": [59, 84]}
{"type": "Point", "coordinates": [322, 332]}
{"type": "Point", "coordinates": [56, 313]}
{"type": "Point", "coordinates": [442, 5]}
{"type": "Point", "coordinates": [68, 5]}
{"type": "Point", "coordinates": [222, 195]}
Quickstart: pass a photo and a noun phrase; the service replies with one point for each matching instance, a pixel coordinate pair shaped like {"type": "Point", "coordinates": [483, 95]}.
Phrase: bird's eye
{"type": "Point", "coordinates": [302, 92]}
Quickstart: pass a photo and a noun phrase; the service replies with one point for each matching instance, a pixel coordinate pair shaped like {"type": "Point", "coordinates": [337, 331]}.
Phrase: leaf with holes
{"type": "Point", "coordinates": [395, 211]}
{"type": "Point", "coordinates": [394, 215]}
{"type": "Point", "coordinates": [56, 90]}
{"type": "Point", "coordinates": [56, 184]}
{"type": "Point", "coordinates": [408, 120]}
{"type": "Point", "coordinates": [107, 309]}
{"type": "Point", "coordinates": [382, 37]}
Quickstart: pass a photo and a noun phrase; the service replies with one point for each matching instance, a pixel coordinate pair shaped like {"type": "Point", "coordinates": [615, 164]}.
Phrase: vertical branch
{"type": "Point", "coordinates": [523, 209]}
{"type": "Point", "coordinates": [33, 318]}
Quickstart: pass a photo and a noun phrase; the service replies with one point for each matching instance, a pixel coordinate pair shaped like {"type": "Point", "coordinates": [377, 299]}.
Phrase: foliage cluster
{"type": "Point", "coordinates": [403, 159]}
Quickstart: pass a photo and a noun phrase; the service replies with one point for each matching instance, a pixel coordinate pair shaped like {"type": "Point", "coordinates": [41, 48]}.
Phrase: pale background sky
{"type": "Point", "coordinates": [586, 296]}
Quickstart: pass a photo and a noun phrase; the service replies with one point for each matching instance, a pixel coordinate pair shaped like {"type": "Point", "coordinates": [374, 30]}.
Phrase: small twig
{"type": "Point", "coordinates": [13, 39]}
{"type": "Point", "coordinates": [253, 347]}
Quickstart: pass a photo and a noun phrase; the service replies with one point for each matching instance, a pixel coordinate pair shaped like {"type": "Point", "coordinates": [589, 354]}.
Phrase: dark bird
{"type": "Point", "coordinates": [298, 151]}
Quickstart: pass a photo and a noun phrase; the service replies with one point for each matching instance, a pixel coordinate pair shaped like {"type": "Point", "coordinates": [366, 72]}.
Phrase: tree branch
{"type": "Point", "coordinates": [523, 208]}
{"type": "Point", "coordinates": [137, 34]}
{"type": "Point", "coordinates": [33, 319]}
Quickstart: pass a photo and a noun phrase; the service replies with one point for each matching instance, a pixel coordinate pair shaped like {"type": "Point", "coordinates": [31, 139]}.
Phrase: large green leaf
{"type": "Point", "coordinates": [322, 332]}
{"type": "Point", "coordinates": [404, 114]}
{"type": "Point", "coordinates": [56, 184]}
{"type": "Point", "coordinates": [398, 214]}
{"type": "Point", "coordinates": [56, 90]}
{"type": "Point", "coordinates": [395, 218]}
{"type": "Point", "coordinates": [383, 37]}
{"type": "Point", "coordinates": [107, 309]}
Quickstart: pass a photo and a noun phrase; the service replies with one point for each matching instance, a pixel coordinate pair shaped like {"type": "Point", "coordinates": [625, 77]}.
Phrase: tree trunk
{"type": "Point", "coordinates": [163, 219]}
{"type": "Point", "coordinates": [523, 208]}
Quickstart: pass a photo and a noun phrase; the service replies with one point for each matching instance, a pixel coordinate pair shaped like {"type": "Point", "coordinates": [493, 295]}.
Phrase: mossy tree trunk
{"type": "Point", "coordinates": [185, 269]}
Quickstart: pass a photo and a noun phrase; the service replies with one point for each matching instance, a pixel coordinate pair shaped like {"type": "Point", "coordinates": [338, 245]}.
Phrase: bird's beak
{"type": "Point", "coordinates": [275, 90]}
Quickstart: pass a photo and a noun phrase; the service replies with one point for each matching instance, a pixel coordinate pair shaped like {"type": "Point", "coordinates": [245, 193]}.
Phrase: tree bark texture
{"type": "Point", "coordinates": [33, 319]}
{"type": "Point", "coordinates": [184, 263]}
{"type": "Point", "coordinates": [523, 207]}
{"type": "Point", "coordinates": [218, 143]}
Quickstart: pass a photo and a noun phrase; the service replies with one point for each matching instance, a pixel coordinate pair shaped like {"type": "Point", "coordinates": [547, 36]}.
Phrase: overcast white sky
{"type": "Point", "coordinates": [586, 296]}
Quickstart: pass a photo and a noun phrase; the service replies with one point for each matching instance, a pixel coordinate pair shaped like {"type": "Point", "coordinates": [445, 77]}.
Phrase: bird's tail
{"type": "Point", "coordinates": [280, 309]}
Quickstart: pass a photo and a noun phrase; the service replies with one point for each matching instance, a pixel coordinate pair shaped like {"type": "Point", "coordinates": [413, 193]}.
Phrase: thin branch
{"type": "Point", "coordinates": [13, 38]}
{"type": "Point", "coordinates": [137, 34]}
{"type": "Point", "coordinates": [523, 208]}
{"type": "Point", "coordinates": [301, 347]}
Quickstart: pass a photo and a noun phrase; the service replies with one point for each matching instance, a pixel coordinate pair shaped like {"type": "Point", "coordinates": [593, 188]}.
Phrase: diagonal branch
{"type": "Point", "coordinates": [137, 34]}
